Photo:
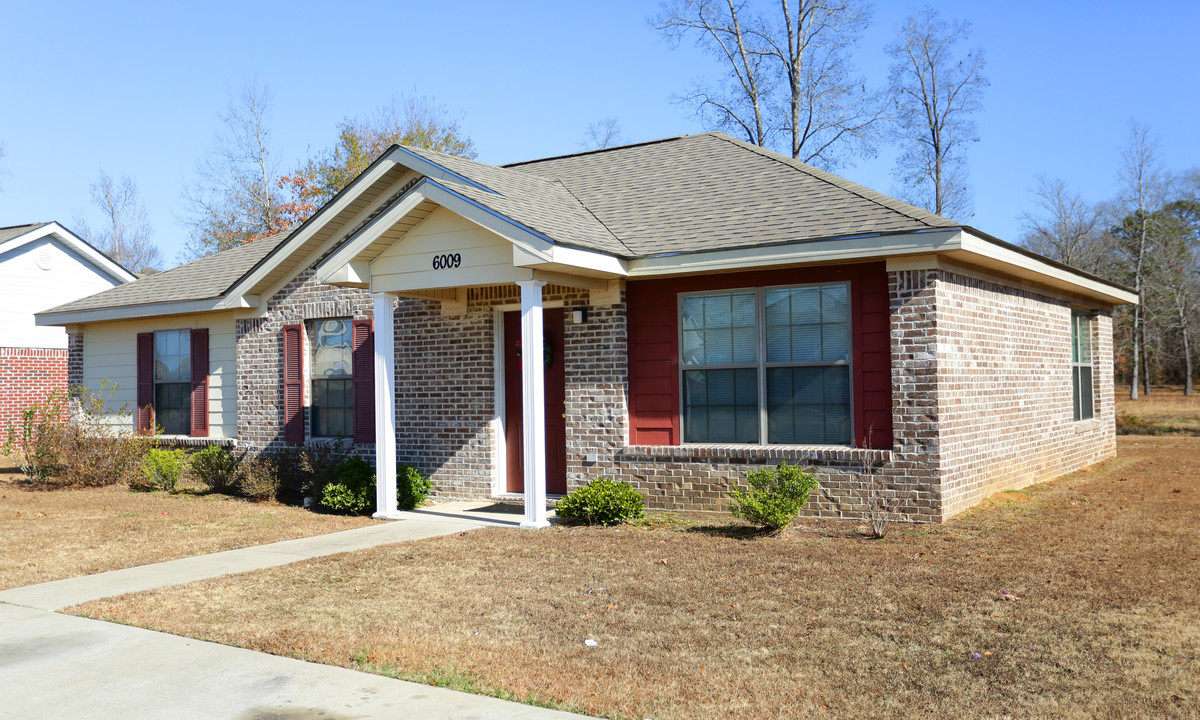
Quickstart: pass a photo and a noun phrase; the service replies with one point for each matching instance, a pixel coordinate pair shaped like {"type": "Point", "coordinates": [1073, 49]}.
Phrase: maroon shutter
{"type": "Point", "coordinates": [145, 383]}
{"type": "Point", "coordinates": [293, 384]}
{"type": "Point", "coordinates": [364, 381]}
{"type": "Point", "coordinates": [200, 382]}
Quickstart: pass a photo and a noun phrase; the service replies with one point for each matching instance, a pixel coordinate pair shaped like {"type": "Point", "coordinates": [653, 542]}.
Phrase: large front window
{"type": "Point", "coordinates": [332, 382]}
{"type": "Point", "coordinates": [1081, 364]}
{"type": "Point", "coordinates": [767, 365]}
{"type": "Point", "coordinates": [173, 381]}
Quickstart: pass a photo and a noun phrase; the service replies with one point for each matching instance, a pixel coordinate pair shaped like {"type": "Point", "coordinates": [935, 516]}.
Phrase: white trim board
{"type": "Point", "coordinates": [82, 247]}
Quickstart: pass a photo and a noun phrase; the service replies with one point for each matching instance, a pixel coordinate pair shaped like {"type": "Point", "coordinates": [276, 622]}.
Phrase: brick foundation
{"type": "Point", "coordinates": [28, 376]}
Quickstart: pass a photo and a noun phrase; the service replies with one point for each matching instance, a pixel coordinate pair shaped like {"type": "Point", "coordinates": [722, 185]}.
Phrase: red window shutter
{"type": "Point", "coordinates": [145, 383]}
{"type": "Point", "coordinates": [364, 381]}
{"type": "Point", "coordinates": [200, 382]}
{"type": "Point", "coordinates": [293, 384]}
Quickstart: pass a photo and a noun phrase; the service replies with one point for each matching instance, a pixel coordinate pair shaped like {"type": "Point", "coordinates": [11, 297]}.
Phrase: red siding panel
{"type": "Point", "coordinates": [200, 382]}
{"type": "Point", "coordinates": [145, 383]}
{"type": "Point", "coordinates": [364, 381]}
{"type": "Point", "coordinates": [293, 383]}
{"type": "Point", "coordinates": [654, 346]}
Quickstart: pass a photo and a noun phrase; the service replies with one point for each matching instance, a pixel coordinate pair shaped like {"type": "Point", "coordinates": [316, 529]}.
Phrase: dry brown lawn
{"type": "Point", "coordinates": [1165, 411]}
{"type": "Point", "coordinates": [50, 534]}
{"type": "Point", "coordinates": [1072, 599]}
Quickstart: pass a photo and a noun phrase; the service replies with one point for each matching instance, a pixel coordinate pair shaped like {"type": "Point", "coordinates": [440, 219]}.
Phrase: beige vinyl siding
{"type": "Point", "coordinates": [110, 353]}
{"type": "Point", "coordinates": [37, 276]}
{"type": "Point", "coordinates": [486, 258]}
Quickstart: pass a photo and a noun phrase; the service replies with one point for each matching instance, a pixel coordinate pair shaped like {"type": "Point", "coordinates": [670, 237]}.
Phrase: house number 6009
{"type": "Point", "coordinates": [449, 260]}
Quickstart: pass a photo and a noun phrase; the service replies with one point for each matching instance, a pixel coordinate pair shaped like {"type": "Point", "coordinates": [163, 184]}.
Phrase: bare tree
{"type": "Point", "coordinates": [1174, 283]}
{"type": "Point", "coordinates": [125, 233]}
{"type": "Point", "coordinates": [935, 93]}
{"type": "Point", "coordinates": [236, 196]}
{"type": "Point", "coordinates": [1142, 191]}
{"type": "Point", "coordinates": [789, 82]}
{"type": "Point", "coordinates": [602, 134]}
{"type": "Point", "coordinates": [1067, 229]}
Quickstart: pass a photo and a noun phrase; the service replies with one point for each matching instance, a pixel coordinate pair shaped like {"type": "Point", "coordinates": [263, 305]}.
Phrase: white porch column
{"type": "Point", "coordinates": [385, 408]}
{"type": "Point", "coordinates": [533, 398]}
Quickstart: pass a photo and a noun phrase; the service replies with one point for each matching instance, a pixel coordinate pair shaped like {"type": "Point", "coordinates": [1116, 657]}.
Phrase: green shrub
{"type": "Point", "coordinates": [411, 487]}
{"type": "Point", "coordinates": [354, 489]}
{"type": "Point", "coordinates": [34, 444]}
{"type": "Point", "coordinates": [318, 465]}
{"type": "Point", "coordinates": [602, 502]}
{"type": "Point", "coordinates": [217, 468]}
{"type": "Point", "coordinates": [775, 496]}
{"type": "Point", "coordinates": [160, 470]}
{"type": "Point", "coordinates": [258, 477]}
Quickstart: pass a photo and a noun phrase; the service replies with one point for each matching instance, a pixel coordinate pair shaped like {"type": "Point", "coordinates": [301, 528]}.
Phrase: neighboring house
{"type": "Point", "coordinates": [41, 265]}
{"type": "Point", "coordinates": [697, 306]}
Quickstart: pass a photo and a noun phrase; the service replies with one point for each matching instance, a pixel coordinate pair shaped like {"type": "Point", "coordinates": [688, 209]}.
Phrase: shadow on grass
{"type": "Point", "coordinates": [735, 531]}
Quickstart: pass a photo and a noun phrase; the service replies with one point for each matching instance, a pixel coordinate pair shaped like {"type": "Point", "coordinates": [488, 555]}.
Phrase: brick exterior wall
{"type": "Point", "coordinates": [981, 398]}
{"type": "Point", "coordinates": [1004, 390]}
{"type": "Point", "coordinates": [27, 376]}
{"type": "Point", "coordinates": [260, 358]}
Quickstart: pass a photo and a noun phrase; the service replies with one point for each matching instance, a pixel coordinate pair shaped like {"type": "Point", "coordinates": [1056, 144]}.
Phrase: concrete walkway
{"type": "Point", "coordinates": [56, 666]}
{"type": "Point", "coordinates": [445, 519]}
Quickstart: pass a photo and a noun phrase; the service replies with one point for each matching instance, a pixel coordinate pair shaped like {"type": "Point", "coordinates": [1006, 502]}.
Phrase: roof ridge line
{"type": "Point", "coordinates": [864, 192]}
{"type": "Point", "coordinates": [596, 151]}
{"type": "Point", "coordinates": [588, 210]}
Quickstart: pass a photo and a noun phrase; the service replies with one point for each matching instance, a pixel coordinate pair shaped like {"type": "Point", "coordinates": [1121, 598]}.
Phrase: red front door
{"type": "Point", "coordinates": [556, 409]}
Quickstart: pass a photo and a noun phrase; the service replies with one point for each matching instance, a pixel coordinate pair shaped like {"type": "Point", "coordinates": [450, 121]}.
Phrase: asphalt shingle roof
{"type": "Point", "coordinates": [711, 192]}
{"type": "Point", "coordinates": [684, 194]}
{"type": "Point", "coordinates": [14, 231]}
{"type": "Point", "coordinates": [208, 277]}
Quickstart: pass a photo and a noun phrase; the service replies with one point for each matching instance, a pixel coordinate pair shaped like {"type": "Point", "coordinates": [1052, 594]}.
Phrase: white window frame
{"type": "Point", "coordinates": [1086, 324]}
{"type": "Point", "coordinates": [187, 333]}
{"type": "Point", "coordinates": [762, 365]}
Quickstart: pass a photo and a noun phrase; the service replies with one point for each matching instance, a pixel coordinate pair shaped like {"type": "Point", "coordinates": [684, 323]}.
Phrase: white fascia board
{"type": "Point", "coordinates": [409, 159]}
{"type": "Point", "coordinates": [76, 243]}
{"type": "Point", "coordinates": [528, 239]}
{"type": "Point", "coordinates": [331, 267]}
{"type": "Point", "coordinates": [588, 260]}
{"type": "Point", "coordinates": [811, 251]}
{"type": "Point", "coordinates": [129, 312]}
{"type": "Point", "coordinates": [289, 246]}
{"type": "Point", "coordinates": [1058, 277]}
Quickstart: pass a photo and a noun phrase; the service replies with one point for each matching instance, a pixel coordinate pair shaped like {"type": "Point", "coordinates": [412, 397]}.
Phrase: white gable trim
{"type": "Point", "coordinates": [80, 246]}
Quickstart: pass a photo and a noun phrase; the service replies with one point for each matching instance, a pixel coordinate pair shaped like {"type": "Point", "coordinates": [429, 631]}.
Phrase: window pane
{"type": "Point", "coordinates": [806, 343]}
{"type": "Point", "coordinates": [332, 408]}
{"type": "Point", "coordinates": [173, 407]}
{"type": "Point", "coordinates": [718, 312]}
{"type": "Point", "coordinates": [331, 348]}
{"type": "Point", "coordinates": [693, 312]}
{"type": "Point", "coordinates": [809, 324]}
{"type": "Point", "coordinates": [834, 307]}
{"type": "Point", "coordinates": [806, 305]}
{"type": "Point", "coordinates": [745, 345]}
{"type": "Point", "coordinates": [693, 347]}
{"type": "Point", "coordinates": [1085, 339]}
{"type": "Point", "coordinates": [172, 355]}
{"type": "Point", "coordinates": [722, 406]}
{"type": "Point", "coordinates": [818, 409]}
{"type": "Point", "coordinates": [718, 346]}
{"type": "Point", "coordinates": [835, 342]}
{"type": "Point", "coordinates": [1086, 408]}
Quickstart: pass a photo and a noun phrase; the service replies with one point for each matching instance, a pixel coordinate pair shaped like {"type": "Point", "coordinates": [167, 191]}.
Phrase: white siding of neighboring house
{"type": "Point", "coordinates": [110, 353]}
{"type": "Point", "coordinates": [37, 276]}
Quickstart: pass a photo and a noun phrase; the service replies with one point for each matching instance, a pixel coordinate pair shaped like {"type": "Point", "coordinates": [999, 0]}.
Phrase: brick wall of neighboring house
{"type": "Point", "coordinates": [260, 358]}
{"type": "Point", "coordinates": [28, 376]}
{"type": "Point", "coordinates": [1005, 391]}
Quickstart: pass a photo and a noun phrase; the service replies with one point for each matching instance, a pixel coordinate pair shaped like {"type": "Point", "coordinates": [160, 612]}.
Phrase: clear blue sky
{"type": "Point", "coordinates": [136, 88]}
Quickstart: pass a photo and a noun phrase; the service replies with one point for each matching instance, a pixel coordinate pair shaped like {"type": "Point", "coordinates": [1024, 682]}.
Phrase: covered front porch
{"type": "Point", "coordinates": [462, 299]}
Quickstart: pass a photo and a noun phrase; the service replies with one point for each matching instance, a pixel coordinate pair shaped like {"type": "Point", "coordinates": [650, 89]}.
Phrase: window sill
{"type": "Point", "coordinates": [189, 441]}
{"type": "Point", "coordinates": [755, 452]}
{"type": "Point", "coordinates": [1083, 426]}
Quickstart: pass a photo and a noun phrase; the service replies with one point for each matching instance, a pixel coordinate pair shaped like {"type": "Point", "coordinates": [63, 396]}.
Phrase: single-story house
{"type": "Point", "coordinates": [41, 265]}
{"type": "Point", "coordinates": [670, 313]}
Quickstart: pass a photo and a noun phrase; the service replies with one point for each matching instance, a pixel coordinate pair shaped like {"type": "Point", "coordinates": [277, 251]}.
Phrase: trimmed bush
{"type": "Point", "coordinates": [354, 490]}
{"type": "Point", "coordinates": [602, 502]}
{"type": "Point", "coordinates": [258, 478]}
{"type": "Point", "coordinates": [411, 487]}
{"type": "Point", "coordinates": [160, 470]}
{"type": "Point", "coordinates": [775, 496]}
{"type": "Point", "coordinates": [217, 468]}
